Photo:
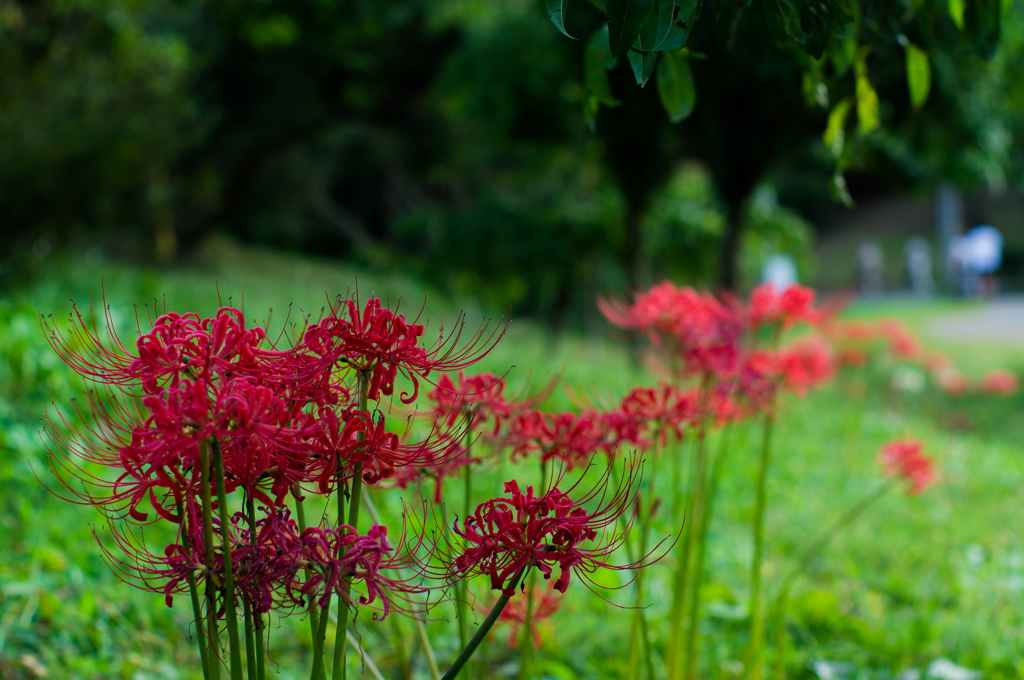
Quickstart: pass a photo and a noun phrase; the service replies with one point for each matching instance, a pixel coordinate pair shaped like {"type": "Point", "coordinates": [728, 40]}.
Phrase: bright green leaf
{"type": "Point", "coordinates": [643, 65]}
{"type": "Point", "coordinates": [675, 86]}
{"type": "Point", "coordinates": [956, 11]}
{"type": "Point", "coordinates": [835, 135]}
{"type": "Point", "coordinates": [625, 19]}
{"type": "Point", "coordinates": [919, 75]}
{"type": "Point", "coordinates": [867, 99]}
{"type": "Point", "coordinates": [556, 12]}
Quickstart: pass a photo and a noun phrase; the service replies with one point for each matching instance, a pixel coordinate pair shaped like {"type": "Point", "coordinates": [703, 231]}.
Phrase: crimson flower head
{"type": "Point", "coordinates": [903, 458]}
{"type": "Point", "coordinates": [769, 307]}
{"type": "Point", "coordinates": [806, 363]}
{"type": "Point", "coordinates": [505, 536]}
{"type": "Point", "coordinates": [385, 343]}
{"type": "Point", "coordinates": [998, 382]}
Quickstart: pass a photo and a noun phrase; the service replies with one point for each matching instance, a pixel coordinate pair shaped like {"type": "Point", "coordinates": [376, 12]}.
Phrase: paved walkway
{"type": "Point", "coordinates": [1000, 321]}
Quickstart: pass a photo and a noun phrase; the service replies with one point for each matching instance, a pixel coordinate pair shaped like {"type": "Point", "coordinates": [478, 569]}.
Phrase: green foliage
{"type": "Point", "coordinates": [919, 75]}
{"type": "Point", "coordinates": [675, 86]}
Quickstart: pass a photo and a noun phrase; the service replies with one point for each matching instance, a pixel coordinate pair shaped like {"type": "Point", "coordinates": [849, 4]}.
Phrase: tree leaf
{"type": "Point", "coordinates": [867, 99]}
{"type": "Point", "coordinates": [981, 26]}
{"type": "Point", "coordinates": [596, 61]}
{"type": "Point", "coordinates": [656, 29]}
{"type": "Point", "coordinates": [835, 135]}
{"type": "Point", "coordinates": [643, 65]}
{"type": "Point", "coordinates": [556, 12]}
{"type": "Point", "coordinates": [919, 75]}
{"type": "Point", "coordinates": [625, 19]}
{"type": "Point", "coordinates": [956, 11]}
{"type": "Point", "coordinates": [675, 86]}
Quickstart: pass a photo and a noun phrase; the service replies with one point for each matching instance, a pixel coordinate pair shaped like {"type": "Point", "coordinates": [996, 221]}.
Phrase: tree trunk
{"type": "Point", "coordinates": [728, 273]}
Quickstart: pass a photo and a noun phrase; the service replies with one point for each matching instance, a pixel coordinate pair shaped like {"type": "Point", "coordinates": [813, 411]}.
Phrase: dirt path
{"type": "Point", "coordinates": [1000, 321]}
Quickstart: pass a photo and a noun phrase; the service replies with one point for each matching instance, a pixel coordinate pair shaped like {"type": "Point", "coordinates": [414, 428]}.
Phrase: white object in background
{"type": "Point", "coordinates": [983, 249]}
{"type": "Point", "coordinates": [780, 271]}
{"type": "Point", "coordinates": [944, 669]}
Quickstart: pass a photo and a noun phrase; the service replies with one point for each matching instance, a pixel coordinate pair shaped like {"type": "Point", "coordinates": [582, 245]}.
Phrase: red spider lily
{"type": "Point", "coordinates": [341, 555]}
{"type": "Point", "coordinates": [354, 438]}
{"type": "Point", "coordinates": [951, 381]}
{"type": "Point", "coordinates": [570, 437]}
{"type": "Point", "coordinates": [903, 458]}
{"type": "Point", "coordinates": [998, 382]}
{"type": "Point", "coordinates": [700, 329]}
{"type": "Point", "coordinates": [664, 409]}
{"type": "Point", "coordinates": [481, 396]}
{"type": "Point", "coordinates": [505, 535]}
{"type": "Point", "coordinates": [282, 570]}
{"type": "Point", "coordinates": [806, 363]}
{"type": "Point", "coordinates": [770, 308]}
{"type": "Point", "coordinates": [439, 471]}
{"type": "Point", "coordinates": [377, 340]}
{"type": "Point", "coordinates": [545, 605]}
{"type": "Point", "coordinates": [901, 342]}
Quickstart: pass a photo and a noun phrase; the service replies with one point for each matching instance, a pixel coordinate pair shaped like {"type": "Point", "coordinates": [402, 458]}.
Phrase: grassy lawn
{"type": "Point", "coordinates": [916, 579]}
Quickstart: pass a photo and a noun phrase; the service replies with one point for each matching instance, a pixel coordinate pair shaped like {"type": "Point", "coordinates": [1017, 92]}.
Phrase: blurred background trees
{"type": "Point", "coordinates": [475, 145]}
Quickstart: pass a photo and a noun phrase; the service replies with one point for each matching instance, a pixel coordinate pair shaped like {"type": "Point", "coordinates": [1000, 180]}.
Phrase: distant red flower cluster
{"type": "Point", "coordinates": [903, 458]}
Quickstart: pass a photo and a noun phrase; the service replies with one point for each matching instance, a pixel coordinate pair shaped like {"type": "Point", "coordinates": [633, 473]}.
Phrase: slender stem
{"type": "Point", "coordinates": [483, 630]}
{"type": "Point", "coordinates": [684, 501]}
{"type": "Point", "coordinates": [366, 658]}
{"type": "Point", "coordinates": [756, 614]}
{"type": "Point", "coordinates": [683, 582]}
{"type": "Point", "coordinates": [695, 553]}
{"type": "Point", "coordinates": [402, 657]}
{"type": "Point", "coordinates": [213, 657]}
{"type": "Point", "coordinates": [462, 586]}
{"type": "Point", "coordinates": [526, 641]}
{"type": "Point", "coordinates": [421, 629]}
{"type": "Point", "coordinates": [229, 577]}
{"type": "Point", "coordinates": [260, 653]}
{"type": "Point", "coordinates": [314, 615]}
{"type": "Point", "coordinates": [428, 650]}
{"type": "Point", "coordinates": [193, 592]}
{"type": "Point", "coordinates": [250, 643]}
{"type": "Point", "coordinates": [339, 670]}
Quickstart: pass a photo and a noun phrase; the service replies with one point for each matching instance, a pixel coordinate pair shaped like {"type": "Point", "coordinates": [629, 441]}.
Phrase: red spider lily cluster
{"type": "Point", "coordinates": [284, 423]}
{"type": "Point", "coordinates": [203, 411]}
{"type": "Point", "coordinates": [210, 426]}
{"type": "Point", "coordinates": [903, 459]}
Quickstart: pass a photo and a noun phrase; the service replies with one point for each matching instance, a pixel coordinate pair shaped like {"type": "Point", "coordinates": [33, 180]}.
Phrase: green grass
{"type": "Point", "coordinates": [916, 579]}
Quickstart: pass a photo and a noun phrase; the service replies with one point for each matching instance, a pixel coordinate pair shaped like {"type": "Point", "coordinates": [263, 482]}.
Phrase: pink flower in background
{"type": "Point", "coordinates": [769, 307]}
{"type": "Point", "coordinates": [806, 363]}
{"type": "Point", "coordinates": [545, 605]}
{"type": "Point", "coordinates": [903, 458]}
{"type": "Point", "coordinates": [998, 382]}
{"type": "Point", "coordinates": [952, 381]}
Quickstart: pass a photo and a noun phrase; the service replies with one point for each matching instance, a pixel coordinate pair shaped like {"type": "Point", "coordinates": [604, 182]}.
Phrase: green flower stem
{"type": "Point", "coordinates": [314, 615]}
{"type": "Point", "coordinates": [213, 655]}
{"type": "Point", "coordinates": [483, 630]}
{"type": "Point", "coordinates": [428, 650]}
{"type": "Point", "coordinates": [229, 577]}
{"type": "Point", "coordinates": [755, 609]}
{"type": "Point", "coordinates": [250, 643]}
{"type": "Point", "coordinates": [259, 654]}
{"type": "Point", "coordinates": [813, 551]}
{"type": "Point", "coordinates": [681, 585]}
{"type": "Point", "coordinates": [695, 566]}
{"type": "Point", "coordinates": [421, 629]}
{"type": "Point", "coordinates": [339, 670]}
{"type": "Point", "coordinates": [197, 609]}
{"type": "Point", "coordinates": [684, 502]}
{"type": "Point", "coordinates": [526, 642]}
{"type": "Point", "coordinates": [462, 586]}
